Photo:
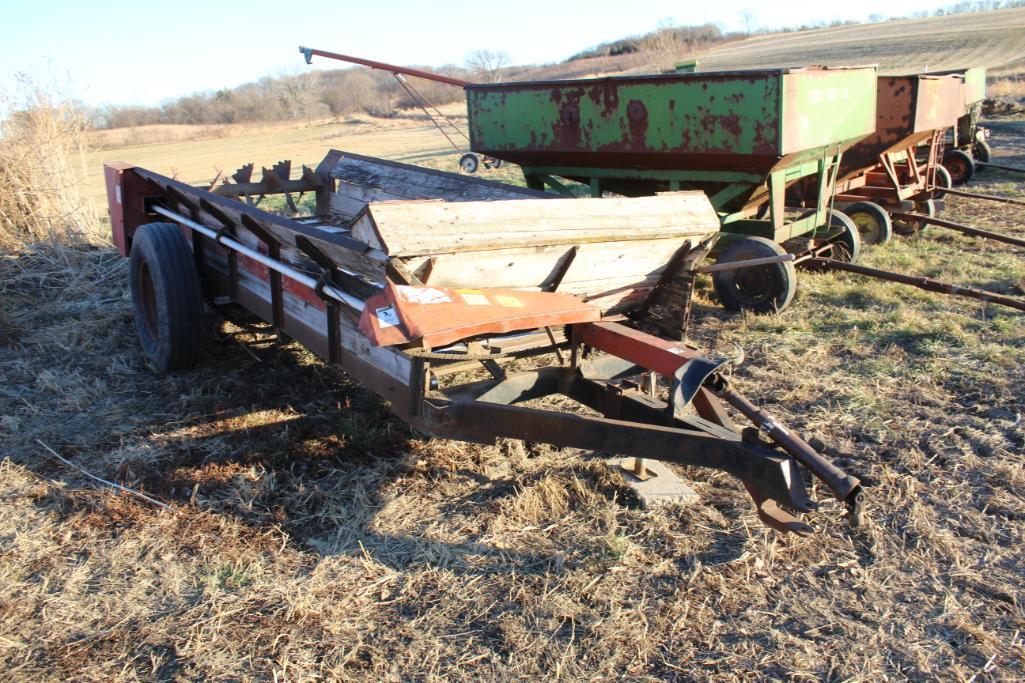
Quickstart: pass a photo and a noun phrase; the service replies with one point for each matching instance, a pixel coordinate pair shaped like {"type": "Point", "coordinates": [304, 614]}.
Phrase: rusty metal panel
{"type": "Point", "coordinates": [439, 315]}
{"type": "Point", "coordinates": [910, 110]}
{"type": "Point", "coordinates": [715, 120]}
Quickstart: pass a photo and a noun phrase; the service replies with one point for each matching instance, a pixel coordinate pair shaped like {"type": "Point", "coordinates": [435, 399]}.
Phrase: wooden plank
{"type": "Point", "coordinates": [415, 182]}
{"type": "Point", "coordinates": [414, 228]}
{"type": "Point", "coordinates": [615, 272]}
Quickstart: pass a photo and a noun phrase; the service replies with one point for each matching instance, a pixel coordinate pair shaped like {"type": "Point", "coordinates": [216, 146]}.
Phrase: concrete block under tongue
{"type": "Point", "coordinates": [657, 485]}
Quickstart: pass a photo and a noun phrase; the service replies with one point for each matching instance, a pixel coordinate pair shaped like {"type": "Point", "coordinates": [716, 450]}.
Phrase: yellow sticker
{"type": "Point", "coordinates": [469, 291]}
{"type": "Point", "coordinates": [510, 301]}
{"type": "Point", "coordinates": [474, 298]}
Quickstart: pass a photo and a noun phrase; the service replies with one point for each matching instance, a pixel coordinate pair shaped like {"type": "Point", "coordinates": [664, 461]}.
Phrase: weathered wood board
{"type": "Point", "coordinates": [362, 180]}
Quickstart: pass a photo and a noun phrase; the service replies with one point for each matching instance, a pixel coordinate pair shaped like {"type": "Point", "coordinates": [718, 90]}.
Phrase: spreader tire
{"type": "Point", "coordinates": [760, 289]}
{"type": "Point", "coordinates": [873, 222]}
{"type": "Point", "coordinates": [960, 166]}
{"type": "Point", "coordinates": [166, 298]}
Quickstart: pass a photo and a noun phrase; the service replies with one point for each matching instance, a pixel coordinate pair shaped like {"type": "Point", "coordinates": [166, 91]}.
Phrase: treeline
{"type": "Point", "coordinates": [686, 38]}
{"type": "Point", "coordinates": [310, 95]}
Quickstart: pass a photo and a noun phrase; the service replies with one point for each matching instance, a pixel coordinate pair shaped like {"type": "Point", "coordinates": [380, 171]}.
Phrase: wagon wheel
{"type": "Point", "coordinates": [982, 151]}
{"type": "Point", "coordinates": [166, 298]}
{"type": "Point", "coordinates": [843, 236]}
{"type": "Point", "coordinates": [761, 289]}
{"type": "Point", "coordinates": [469, 163]}
{"type": "Point", "coordinates": [960, 166]}
{"type": "Point", "coordinates": [913, 227]}
{"type": "Point", "coordinates": [943, 182]}
{"type": "Point", "coordinates": [872, 221]}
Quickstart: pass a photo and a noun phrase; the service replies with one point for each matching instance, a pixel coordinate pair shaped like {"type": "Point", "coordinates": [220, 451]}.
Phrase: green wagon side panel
{"type": "Point", "coordinates": [653, 115]}
{"type": "Point", "coordinates": [974, 85]}
{"type": "Point", "coordinates": [753, 121]}
{"type": "Point", "coordinates": [826, 108]}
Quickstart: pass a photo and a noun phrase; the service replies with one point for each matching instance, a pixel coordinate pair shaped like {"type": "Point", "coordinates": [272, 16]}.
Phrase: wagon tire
{"type": "Point", "coordinates": [845, 237]}
{"type": "Point", "coordinates": [943, 182]}
{"type": "Point", "coordinates": [960, 166]}
{"type": "Point", "coordinates": [166, 298]}
{"type": "Point", "coordinates": [982, 151]}
{"type": "Point", "coordinates": [760, 289]}
{"type": "Point", "coordinates": [469, 163]}
{"type": "Point", "coordinates": [873, 222]}
{"type": "Point", "coordinates": [915, 227]}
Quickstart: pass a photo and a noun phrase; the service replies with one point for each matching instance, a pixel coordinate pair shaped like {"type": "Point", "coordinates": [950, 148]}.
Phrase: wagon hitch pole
{"type": "Point", "coordinates": [1001, 167]}
{"type": "Point", "coordinates": [989, 197]}
{"type": "Point", "coordinates": [926, 283]}
{"type": "Point", "coordinates": [959, 227]}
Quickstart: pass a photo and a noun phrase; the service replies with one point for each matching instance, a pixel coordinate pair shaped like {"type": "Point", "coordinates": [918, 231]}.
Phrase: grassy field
{"type": "Point", "coordinates": [409, 137]}
{"type": "Point", "coordinates": [991, 39]}
{"type": "Point", "coordinates": [312, 536]}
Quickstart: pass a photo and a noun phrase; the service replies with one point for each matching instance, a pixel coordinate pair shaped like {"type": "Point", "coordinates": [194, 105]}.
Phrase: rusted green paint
{"type": "Point", "coordinates": [910, 110]}
{"type": "Point", "coordinates": [747, 121]}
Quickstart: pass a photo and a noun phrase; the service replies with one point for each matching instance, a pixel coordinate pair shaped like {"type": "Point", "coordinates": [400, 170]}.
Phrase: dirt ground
{"type": "Point", "coordinates": [312, 536]}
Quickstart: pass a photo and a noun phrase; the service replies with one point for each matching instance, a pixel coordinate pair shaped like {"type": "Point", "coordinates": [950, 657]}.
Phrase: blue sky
{"type": "Point", "coordinates": [143, 52]}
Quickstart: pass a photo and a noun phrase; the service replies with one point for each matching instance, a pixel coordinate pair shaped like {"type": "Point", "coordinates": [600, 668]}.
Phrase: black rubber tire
{"type": "Point", "coordinates": [845, 237]}
{"type": "Point", "coordinates": [872, 220]}
{"type": "Point", "coordinates": [760, 289]}
{"type": "Point", "coordinates": [907, 228]}
{"type": "Point", "coordinates": [982, 151]}
{"type": "Point", "coordinates": [166, 297]}
{"type": "Point", "coordinates": [943, 182]}
{"type": "Point", "coordinates": [469, 163]}
{"type": "Point", "coordinates": [960, 166]}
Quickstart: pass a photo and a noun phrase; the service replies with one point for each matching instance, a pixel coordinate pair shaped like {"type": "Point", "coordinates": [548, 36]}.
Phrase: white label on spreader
{"type": "Point", "coordinates": [423, 295]}
{"type": "Point", "coordinates": [386, 317]}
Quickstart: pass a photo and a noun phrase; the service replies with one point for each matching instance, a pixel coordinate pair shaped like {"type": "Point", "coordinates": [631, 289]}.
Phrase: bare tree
{"type": "Point", "coordinates": [487, 65]}
{"type": "Point", "coordinates": [748, 18]}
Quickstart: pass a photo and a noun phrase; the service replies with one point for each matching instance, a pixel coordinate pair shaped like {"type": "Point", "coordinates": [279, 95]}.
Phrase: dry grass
{"type": "Point", "coordinates": [1006, 87]}
{"type": "Point", "coordinates": [312, 536]}
{"type": "Point", "coordinates": [43, 151]}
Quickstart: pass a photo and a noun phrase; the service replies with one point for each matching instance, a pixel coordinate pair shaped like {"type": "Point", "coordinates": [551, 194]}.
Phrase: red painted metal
{"type": "Point", "coordinates": [438, 316]}
{"type": "Point", "coordinates": [665, 358]}
{"type": "Point", "coordinates": [651, 353]}
{"type": "Point", "coordinates": [126, 202]}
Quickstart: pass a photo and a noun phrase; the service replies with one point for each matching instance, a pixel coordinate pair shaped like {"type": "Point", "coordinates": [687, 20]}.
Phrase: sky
{"type": "Point", "coordinates": [117, 52]}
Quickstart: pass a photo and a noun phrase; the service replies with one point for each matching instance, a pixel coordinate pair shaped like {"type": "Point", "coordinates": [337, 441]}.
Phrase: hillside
{"type": "Point", "coordinates": [993, 39]}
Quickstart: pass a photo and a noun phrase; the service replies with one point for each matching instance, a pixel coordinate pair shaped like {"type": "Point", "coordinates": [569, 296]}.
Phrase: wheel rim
{"type": "Point", "coordinates": [957, 168]}
{"type": "Point", "coordinates": [148, 300]}
{"type": "Point", "coordinates": [868, 225]}
{"type": "Point", "coordinates": [754, 285]}
{"type": "Point", "coordinates": [468, 164]}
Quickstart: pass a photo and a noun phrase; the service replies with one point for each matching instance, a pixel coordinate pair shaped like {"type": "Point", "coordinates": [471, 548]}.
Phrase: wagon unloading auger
{"type": "Point", "coordinates": [383, 292]}
{"type": "Point", "coordinates": [769, 147]}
